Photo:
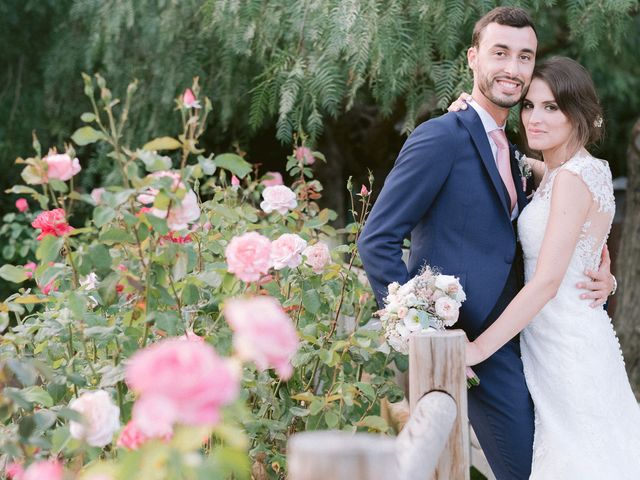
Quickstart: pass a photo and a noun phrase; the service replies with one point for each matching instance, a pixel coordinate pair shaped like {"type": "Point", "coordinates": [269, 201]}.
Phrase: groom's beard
{"type": "Point", "coordinates": [487, 87]}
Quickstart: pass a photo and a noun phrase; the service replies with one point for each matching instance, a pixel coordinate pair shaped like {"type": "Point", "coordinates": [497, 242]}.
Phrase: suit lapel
{"type": "Point", "coordinates": [517, 179]}
{"type": "Point", "coordinates": [473, 124]}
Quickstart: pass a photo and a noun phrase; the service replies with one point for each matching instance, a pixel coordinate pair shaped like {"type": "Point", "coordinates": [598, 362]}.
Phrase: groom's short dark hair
{"type": "Point", "coordinates": [509, 16]}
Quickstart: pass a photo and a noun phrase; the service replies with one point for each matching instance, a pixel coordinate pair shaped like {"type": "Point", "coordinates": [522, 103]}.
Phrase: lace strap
{"type": "Point", "coordinates": [596, 175]}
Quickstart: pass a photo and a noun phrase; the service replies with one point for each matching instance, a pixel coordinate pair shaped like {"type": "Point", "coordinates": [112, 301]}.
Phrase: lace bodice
{"type": "Point", "coordinates": [596, 175]}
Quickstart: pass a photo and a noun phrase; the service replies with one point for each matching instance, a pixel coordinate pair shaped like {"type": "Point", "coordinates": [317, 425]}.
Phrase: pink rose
{"type": "Point", "coordinates": [22, 205]}
{"type": "Point", "coordinates": [44, 470]}
{"type": "Point", "coordinates": [287, 250]}
{"type": "Point", "coordinates": [189, 99]}
{"type": "Point", "coordinates": [49, 287]}
{"type": "Point", "coordinates": [101, 418]}
{"type": "Point", "coordinates": [263, 333]}
{"type": "Point", "coordinates": [180, 216]}
{"type": "Point", "coordinates": [248, 256]}
{"type": "Point", "coordinates": [271, 179]}
{"type": "Point", "coordinates": [364, 192]}
{"type": "Point", "coordinates": [278, 198]}
{"type": "Point", "coordinates": [448, 310]}
{"type": "Point", "coordinates": [304, 155]}
{"type": "Point", "coordinates": [52, 222]}
{"type": "Point", "coordinates": [178, 381]}
{"type": "Point", "coordinates": [234, 181]}
{"type": "Point", "coordinates": [318, 256]}
{"type": "Point", "coordinates": [96, 195]}
{"type": "Point", "coordinates": [14, 471]}
{"type": "Point", "coordinates": [132, 437]}
{"type": "Point", "coordinates": [61, 166]}
{"type": "Point", "coordinates": [29, 269]}
{"type": "Point", "coordinates": [149, 195]}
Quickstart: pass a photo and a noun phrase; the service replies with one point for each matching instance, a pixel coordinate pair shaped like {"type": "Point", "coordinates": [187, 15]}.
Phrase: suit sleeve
{"type": "Point", "coordinates": [409, 190]}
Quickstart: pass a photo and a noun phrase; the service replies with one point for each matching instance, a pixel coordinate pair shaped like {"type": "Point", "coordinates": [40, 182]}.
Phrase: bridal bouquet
{"type": "Point", "coordinates": [429, 301]}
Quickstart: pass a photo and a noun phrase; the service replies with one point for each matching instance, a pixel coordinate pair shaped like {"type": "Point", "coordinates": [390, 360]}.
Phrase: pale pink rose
{"type": "Point", "coordinates": [101, 418]}
{"type": "Point", "coordinates": [180, 216]}
{"type": "Point", "coordinates": [149, 195]}
{"type": "Point", "coordinates": [263, 333]}
{"type": "Point", "coordinates": [60, 166]}
{"type": "Point", "coordinates": [248, 256]}
{"type": "Point", "coordinates": [271, 179]}
{"type": "Point", "coordinates": [132, 437]}
{"type": "Point", "coordinates": [447, 309]}
{"type": "Point", "coordinates": [96, 194]}
{"type": "Point", "coordinates": [14, 471]}
{"type": "Point", "coordinates": [318, 256]}
{"type": "Point", "coordinates": [234, 181]}
{"type": "Point", "coordinates": [179, 382]}
{"type": "Point", "coordinates": [402, 312]}
{"type": "Point", "coordinates": [278, 198]}
{"type": "Point", "coordinates": [451, 285]}
{"type": "Point", "coordinates": [44, 470]}
{"type": "Point", "coordinates": [438, 294]}
{"type": "Point", "coordinates": [304, 155]}
{"type": "Point", "coordinates": [191, 337]}
{"type": "Point", "coordinates": [286, 251]}
{"type": "Point", "coordinates": [189, 99]}
{"type": "Point", "coordinates": [22, 205]}
{"type": "Point", "coordinates": [29, 269]}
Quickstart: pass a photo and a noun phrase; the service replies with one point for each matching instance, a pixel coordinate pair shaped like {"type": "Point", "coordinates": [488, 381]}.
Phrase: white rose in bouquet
{"type": "Point", "coordinates": [451, 286]}
{"type": "Point", "coordinates": [447, 309]}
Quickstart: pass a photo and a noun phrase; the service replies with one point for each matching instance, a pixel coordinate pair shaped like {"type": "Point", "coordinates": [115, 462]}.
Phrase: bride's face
{"type": "Point", "coordinates": [547, 128]}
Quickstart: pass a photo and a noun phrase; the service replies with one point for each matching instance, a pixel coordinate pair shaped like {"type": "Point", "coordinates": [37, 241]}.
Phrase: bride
{"type": "Point", "coordinates": [587, 421]}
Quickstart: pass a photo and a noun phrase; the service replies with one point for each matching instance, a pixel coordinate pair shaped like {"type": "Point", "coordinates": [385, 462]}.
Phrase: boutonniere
{"type": "Point", "coordinates": [523, 167]}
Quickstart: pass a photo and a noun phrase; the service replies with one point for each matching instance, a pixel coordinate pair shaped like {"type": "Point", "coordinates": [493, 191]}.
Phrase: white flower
{"type": "Point", "coordinates": [448, 310]}
{"type": "Point", "coordinates": [451, 286]}
{"type": "Point", "coordinates": [188, 211]}
{"type": "Point", "coordinates": [90, 282]}
{"type": "Point", "coordinates": [412, 320]}
{"type": "Point", "coordinates": [101, 418]}
{"type": "Point", "coordinates": [278, 198]}
{"type": "Point", "coordinates": [393, 288]}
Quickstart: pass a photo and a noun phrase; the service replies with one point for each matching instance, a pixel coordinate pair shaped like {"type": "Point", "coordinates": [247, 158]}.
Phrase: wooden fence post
{"type": "Point", "coordinates": [436, 363]}
{"type": "Point", "coordinates": [338, 455]}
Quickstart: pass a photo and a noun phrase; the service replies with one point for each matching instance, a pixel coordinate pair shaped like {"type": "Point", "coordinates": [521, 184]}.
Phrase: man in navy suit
{"type": "Point", "coordinates": [456, 189]}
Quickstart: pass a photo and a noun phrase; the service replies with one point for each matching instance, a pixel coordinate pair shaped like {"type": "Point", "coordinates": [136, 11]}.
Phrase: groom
{"type": "Point", "coordinates": [456, 189]}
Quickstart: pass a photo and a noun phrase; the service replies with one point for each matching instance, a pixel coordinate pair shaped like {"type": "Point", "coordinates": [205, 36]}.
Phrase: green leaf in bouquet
{"type": "Point", "coordinates": [49, 248]}
{"type": "Point", "coordinates": [86, 135]}
{"type": "Point", "coordinates": [234, 163]}
{"type": "Point", "coordinates": [12, 273]}
{"type": "Point", "coordinates": [311, 301]}
{"type": "Point", "coordinates": [102, 215]}
{"type": "Point", "coordinates": [162, 143]}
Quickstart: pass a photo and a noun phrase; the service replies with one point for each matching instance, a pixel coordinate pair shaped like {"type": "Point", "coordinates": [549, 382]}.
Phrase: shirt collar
{"type": "Point", "coordinates": [487, 120]}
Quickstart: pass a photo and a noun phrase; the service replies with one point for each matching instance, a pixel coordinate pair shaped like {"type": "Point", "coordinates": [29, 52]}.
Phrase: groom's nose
{"type": "Point", "coordinates": [511, 67]}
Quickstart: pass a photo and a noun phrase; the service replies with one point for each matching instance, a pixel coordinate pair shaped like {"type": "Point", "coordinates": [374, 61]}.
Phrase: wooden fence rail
{"type": "Point", "coordinates": [433, 445]}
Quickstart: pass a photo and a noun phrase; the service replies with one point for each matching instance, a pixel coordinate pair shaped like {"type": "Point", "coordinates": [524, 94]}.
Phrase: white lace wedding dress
{"type": "Point", "coordinates": [587, 421]}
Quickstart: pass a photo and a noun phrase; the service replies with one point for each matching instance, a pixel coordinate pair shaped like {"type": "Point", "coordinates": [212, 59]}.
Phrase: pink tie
{"type": "Point", "coordinates": [504, 165]}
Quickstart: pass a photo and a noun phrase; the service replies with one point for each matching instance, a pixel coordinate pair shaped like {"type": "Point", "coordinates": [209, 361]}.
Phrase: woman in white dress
{"type": "Point", "coordinates": [587, 420]}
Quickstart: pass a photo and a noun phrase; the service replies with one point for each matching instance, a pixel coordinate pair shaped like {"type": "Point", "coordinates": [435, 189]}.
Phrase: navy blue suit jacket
{"type": "Point", "coordinates": [445, 191]}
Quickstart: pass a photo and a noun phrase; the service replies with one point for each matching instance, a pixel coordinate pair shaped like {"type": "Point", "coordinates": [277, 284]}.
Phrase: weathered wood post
{"type": "Point", "coordinates": [436, 363]}
{"type": "Point", "coordinates": [338, 455]}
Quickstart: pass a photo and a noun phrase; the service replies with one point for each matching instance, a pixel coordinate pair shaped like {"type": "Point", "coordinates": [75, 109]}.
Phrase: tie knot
{"type": "Point", "coordinates": [499, 138]}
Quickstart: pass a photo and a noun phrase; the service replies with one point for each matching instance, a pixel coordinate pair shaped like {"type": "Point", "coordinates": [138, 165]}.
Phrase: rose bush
{"type": "Point", "coordinates": [214, 326]}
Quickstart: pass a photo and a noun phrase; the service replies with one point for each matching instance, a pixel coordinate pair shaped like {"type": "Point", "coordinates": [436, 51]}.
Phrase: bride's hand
{"type": "Point", "coordinates": [460, 103]}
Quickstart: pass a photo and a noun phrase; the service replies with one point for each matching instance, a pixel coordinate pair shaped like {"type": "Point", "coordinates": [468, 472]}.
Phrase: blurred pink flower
{"type": "Point", "coordinates": [305, 155]}
{"type": "Point", "coordinates": [363, 191]}
{"type": "Point", "coordinates": [100, 418]}
{"type": "Point", "coordinates": [286, 251]}
{"type": "Point", "coordinates": [263, 333]}
{"type": "Point", "coordinates": [22, 205]}
{"type": "Point", "coordinates": [447, 309]}
{"type": "Point", "coordinates": [132, 437]}
{"type": "Point", "coordinates": [30, 269]}
{"type": "Point", "coordinates": [49, 287]}
{"type": "Point", "coordinates": [179, 382]}
{"type": "Point", "coordinates": [14, 471]}
{"type": "Point", "coordinates": [51, 222]}
{"type": "Point", "coordinates": [96, 194]}
{"type": "Point", "coordinates": [318, 256]}
{"type": "Point", "coordinates": [279, 198]}
{"type": "Point", "coordinates": [60, 166]}
{"type": "Point", "coordinates": [234, 181]}
{"type": "Point", "coordinates": [149, 195]}
{"type": "Point", "coordinates": [189, 99]}
{"type": "Point", "coordinates": [248, 256]}
{"type": "Point", "coordinates": [44, 470]}
{"type": "Point", "coordinates": [271, 179]}
{"type": "Point", "coordinates": [180, 216]}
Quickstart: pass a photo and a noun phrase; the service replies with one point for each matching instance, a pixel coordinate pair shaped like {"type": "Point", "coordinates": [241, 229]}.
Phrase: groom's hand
{"type": "Point", "coordinates": [602, 282]}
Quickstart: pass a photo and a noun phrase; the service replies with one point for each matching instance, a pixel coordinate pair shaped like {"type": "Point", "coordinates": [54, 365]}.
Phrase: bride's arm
{"type": "Point", "coordinates": [537, 168]}
{"type": "Point", "coordinates": [570, 202]}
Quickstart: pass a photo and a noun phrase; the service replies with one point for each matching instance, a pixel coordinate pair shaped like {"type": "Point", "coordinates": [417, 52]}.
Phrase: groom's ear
{"type": "Point", "coordinates": [472, 57]}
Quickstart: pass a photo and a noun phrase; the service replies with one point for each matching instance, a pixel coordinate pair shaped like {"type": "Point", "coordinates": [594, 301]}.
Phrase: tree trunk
{"type": "Point", "coordinates": [627, 318]}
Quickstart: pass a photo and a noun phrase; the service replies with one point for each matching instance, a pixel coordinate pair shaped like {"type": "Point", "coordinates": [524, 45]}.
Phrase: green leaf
{"type": "Point", "coordinates": [208, 166]}
{"type": "Point", "coordinates": [311, 301]}
{"type": "Point", "coordinates": [331, 419]}
{"type": "Point", "coordinates": [87, 117]}
{"type": "Point", "coordinates": [102, 215]}
{"type": "Point", "coordinates": [20, 189]}
{"type": "Point", "coordinates": [234, 163]}
{"type": "Point", "coordinates": [116, 235]}
{"type": "Point", "coordinates": [37, 395]}
{"type": "Point", "coordinates": [162, 143]}
{"type": "Point", "coordinates": [299, 412]}
{"type": "Point", "coordinates": [86, 135]}
{"type": "Point", "coordinates": [211, 278]}
{"type": "Point", "coordinates": [190, 294]}
{"type": "Point", "coordinates": [77, 304]}
{"type": "Point", "coordinates": [157, 223]}
{"type": "Point", "coordinates": [374, 422]}
{"type": "Point", "coordinates": [154, 162]}
{"type": "Point", "coordinates": [26, 427]}
{"type": "Point", "coordinates": [100, 257]}
{"type": "Point", "coordinates": [12, 273]}
{"type": "Point", "coordinates": [49, 248]}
